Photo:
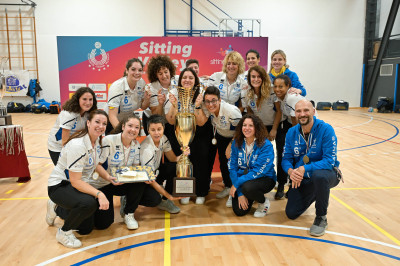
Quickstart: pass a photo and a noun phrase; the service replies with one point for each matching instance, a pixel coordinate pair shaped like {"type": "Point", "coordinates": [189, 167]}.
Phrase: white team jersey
{"type": "Point", "coordinates": [228, 118]}
{"type": "Point", "coordinates": [288, 105]}
{"type": "Point", "coordinates": [244, 75]}
{"type": "Point", "coordinates": [67, 120]}
{"type": "Point", "coordinates": [114, 154]}
{"type": "Point", "coordinates": [122, 97]}
{"type": "Point", "coordinates": [150, 155]}
{"type": "Point", "coordinates": [154, 88]}
{"type": "Point", "coordinates": [265, 111]}
{"type": "Point", "coordinates": [230, 93]}
{"type": "Point", "coordinates": [78, 155]}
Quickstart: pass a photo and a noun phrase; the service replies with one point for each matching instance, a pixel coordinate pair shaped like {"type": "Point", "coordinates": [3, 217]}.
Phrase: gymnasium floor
{"type": "Point", "coordinates": [363, 215]}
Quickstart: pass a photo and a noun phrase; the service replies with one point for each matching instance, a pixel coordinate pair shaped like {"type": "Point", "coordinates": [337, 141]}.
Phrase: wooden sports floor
{"type": "Point", "coordinates": [363, 214]}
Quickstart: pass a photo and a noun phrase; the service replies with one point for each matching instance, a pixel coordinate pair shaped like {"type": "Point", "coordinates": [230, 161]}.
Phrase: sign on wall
{"type": "Point", "coordinates": [97, 62]}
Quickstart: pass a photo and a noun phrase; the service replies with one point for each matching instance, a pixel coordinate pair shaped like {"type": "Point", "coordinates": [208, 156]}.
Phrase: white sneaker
{"type": "Point", "coordinates": [122, 199]}
{"type": "Point", "coordinates": [185, 201]}
{"type": "Point", "coordinates": [223, 193]}
{"type": "Point", "coordinates": [229, 202]}
{"type": "Point", "coordinates": [68, 239]}
{"type": "Point", "coordinates": [262, 209]}
{"type": "Point", "coordinates": [200, 200]}
{"type": "Point", "coordinates": [51, 212]}
{"type": "Point", "coordinates": [169, 206]}
{"type": "Point", "coordinates": [130, 221]}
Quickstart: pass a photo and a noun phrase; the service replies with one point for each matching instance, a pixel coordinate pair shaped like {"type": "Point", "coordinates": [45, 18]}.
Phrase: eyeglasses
{"type": "Point", "coordinates": [213, 102]}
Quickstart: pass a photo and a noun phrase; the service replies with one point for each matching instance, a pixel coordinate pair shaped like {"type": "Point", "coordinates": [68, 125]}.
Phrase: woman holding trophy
{"type": "Point", "coordinates": [199, 147]}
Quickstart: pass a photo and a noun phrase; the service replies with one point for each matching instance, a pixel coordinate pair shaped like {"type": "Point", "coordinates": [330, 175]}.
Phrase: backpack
{"type": "Point", "coordinates": [384, 105]}
{"type": "Point", "coordinates": [324, 106]}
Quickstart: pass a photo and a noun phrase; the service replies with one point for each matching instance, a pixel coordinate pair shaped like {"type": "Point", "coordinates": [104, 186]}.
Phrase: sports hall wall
{"type": "Point", "coordinates": [323, 39]}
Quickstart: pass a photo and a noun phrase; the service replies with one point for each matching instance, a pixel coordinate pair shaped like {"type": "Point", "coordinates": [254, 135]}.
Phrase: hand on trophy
{"type": "Point", "coordinates": [186, 150]}
{"type": "Point", "coordinates": [199, 100]}
{"type": "Point", "coordinates": [161, 97]}
{"type": "Point", "coordinates": [173, 100]}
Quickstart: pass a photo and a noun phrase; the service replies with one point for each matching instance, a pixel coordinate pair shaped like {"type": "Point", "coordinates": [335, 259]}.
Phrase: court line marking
{"type": "Point", "coordinates": [385, 140]}
{"type": "Point", "coordinates": [237, 233]}
{"type": "Point", "coordinates": [9, 192]}
{"type": "Point", "coordinates": [167, 239]}
{"type": "Point", "coordinates": [211, 225]}
{"type": "Point", "coordinates": [38, 157]}
{"type": "Point", "coordinates": [356, 125]}
{"type": "Point", "coordinates": [26, 198]}
{"type": "Point", "coordinates": [368, 221]}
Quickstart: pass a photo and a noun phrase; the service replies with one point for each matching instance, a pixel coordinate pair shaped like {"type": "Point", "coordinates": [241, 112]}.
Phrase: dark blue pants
{"type": "Point", "coordinates": [316, 188]}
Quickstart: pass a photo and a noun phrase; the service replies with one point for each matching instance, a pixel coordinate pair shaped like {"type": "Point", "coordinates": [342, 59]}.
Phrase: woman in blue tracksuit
{"type": "Point", "coordinates": [279, 66]}
{"type": "Point", "coordinates": [251, 167]}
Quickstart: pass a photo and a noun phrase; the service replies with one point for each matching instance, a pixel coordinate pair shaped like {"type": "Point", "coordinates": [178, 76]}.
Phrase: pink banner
{"type": "Point", "coordinates": [97, 62]}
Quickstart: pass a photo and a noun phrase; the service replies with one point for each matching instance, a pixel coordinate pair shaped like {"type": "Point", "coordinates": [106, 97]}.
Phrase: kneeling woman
{"type": "Point", "coordinates": [251, 167]}
{"type": "Point", "coordinates": [68, 184]}
{"type": "Point", "coordinates": [121, 149]}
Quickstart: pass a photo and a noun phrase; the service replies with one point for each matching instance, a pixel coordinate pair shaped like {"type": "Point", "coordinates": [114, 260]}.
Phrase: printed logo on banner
{"type": "Point", "coordinates": [16, 82]}
{"type": "Point", "coordinates": [101, 64]}
{"type": "Point", "coordinates": [98, 87]}
{"type": "Point", "coordinates": [75, 86]}
{"type": "Point", "coordinates": [224, 52]}
{"type": "Point", "coordinates": [12, 83]}
{"type": "Point", "coordinates": [101, 96]}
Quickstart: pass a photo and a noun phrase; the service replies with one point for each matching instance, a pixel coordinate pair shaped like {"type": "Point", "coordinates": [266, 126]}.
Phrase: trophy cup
{"type": "Point", "coordinates": [185, 126]}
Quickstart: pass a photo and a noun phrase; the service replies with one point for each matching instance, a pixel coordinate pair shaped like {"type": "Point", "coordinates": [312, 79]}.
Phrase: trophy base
{"type": "Point", "coordinates": [5, 120]}
{"type": "Point", "coordinates": [184, 187]}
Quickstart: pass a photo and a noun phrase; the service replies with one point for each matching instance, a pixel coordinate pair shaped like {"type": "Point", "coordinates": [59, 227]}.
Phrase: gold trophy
{"type": "Point", "coordinates": [185, 127]}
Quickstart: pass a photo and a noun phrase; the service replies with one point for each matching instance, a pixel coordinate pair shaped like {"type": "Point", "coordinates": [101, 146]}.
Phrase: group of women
{"type": "Point", "coordinates": [81, 187]}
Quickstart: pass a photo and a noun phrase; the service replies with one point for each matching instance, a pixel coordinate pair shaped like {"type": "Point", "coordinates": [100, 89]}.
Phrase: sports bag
{"type": "Point", "coordinates": [340, 105]}
{"type": "Point", "coordinates": [324, 106]}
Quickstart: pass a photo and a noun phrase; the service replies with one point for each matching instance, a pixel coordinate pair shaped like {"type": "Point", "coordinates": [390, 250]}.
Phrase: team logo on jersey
{"type": "Point", "coordinates": [126, 100]}
{"type": "Point", "coordinates": [101, 64]}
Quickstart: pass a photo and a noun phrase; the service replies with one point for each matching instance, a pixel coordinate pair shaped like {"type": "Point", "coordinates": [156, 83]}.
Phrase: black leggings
{"type": "Point", "coordinates": [77, 208]}
{"type": "Point", "coordinates": [222, 144]}
{"type": "Point", "coordinates": [283, 128]}
{"type": "Point", "coordinates": [136, 194]}
{"type": "Point", "coordinates": [253, 190]}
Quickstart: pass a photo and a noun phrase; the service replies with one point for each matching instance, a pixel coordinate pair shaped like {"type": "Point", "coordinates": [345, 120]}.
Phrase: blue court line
{"type": "Point", "coordinates": [236, 233]}
{"type": "Point", "coordinates": [39, 157]}
{"type": "Point", "coordinates": [395, 135]}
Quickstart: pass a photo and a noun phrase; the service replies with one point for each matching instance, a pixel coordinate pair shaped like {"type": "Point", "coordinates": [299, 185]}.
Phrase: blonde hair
{"type": "Point", "coordinates": [282, 53]}
{"type": "Point", "coordinates": [237, 59]}
{"type": "Point", "coordinates": [265, 88]}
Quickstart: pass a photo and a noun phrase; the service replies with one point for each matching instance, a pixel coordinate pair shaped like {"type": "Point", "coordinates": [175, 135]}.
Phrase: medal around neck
{"type": "Point", "coordinates": [185, 128]}
{"type": "Point", "coordinates": [214, 141]}
{"type": "Point", "coordinates": [306, 159]}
